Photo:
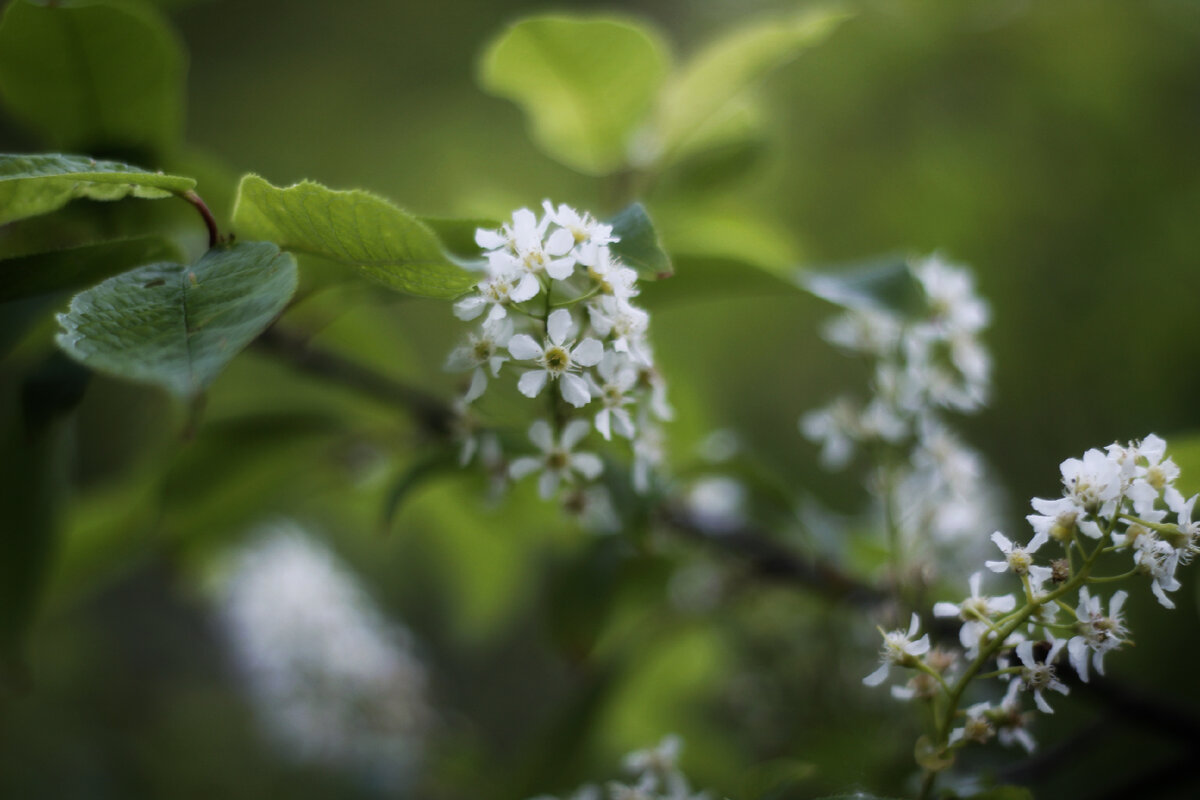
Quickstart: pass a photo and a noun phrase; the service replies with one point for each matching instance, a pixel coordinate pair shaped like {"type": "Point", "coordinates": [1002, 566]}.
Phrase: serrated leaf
{"type": "Point", "coordinates": [586, 84]}
{"type": "Point", "coordinates": [176, 325]}
{"type": "Point", "coordinates": [719, 73]}
{"type": "Point", "coordinates": [93, 76]}
{"type": "Point", "coordinates": [38, 184]}
{"type": "Point", "coordinates": [639, 246]}
{"type": "Point", "coordinates": [886, 285]}
{"type": "Point", "coordinates": [354, 228]}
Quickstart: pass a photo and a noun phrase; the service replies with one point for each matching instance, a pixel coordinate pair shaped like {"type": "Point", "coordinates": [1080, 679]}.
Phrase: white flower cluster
{"type": "Point", "coordinates": [655, 776]}
{"type": "Point", "coordinates": [556, 309]}
{"type": "Point", "coordinates": [1120, 500]}
{"type": "Point", "coordinates": [331, 680]}
{"type": "Point", "coordinates": [924, 365]}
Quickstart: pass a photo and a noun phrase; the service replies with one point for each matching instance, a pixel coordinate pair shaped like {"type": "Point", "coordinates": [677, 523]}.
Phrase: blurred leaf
{"type": "Point", "coordinates": [77, 268]}
{"type": "Point", "coordinates": [720, 72]}
{"type": "Point", "coordinates": [1004, 793]}
{"type": "Point", "coordinates": [702, 277]}
{"type": "Point", "coordinates": [93, 76]}
{"type": "Point", "coordinates": [775, 778]}
{"type": "Point", "coordinates": [639, 246]}
{"type": "Point", "coordinates": [886, 285]}
{"type": "Point", "coordinates": [930, 756]}
{"type": "Point", "coordinates": [178, 326]}
{"type": "Point", "coordinates": [585, 84]}
{"type": "Point", "coordinates": [354, 228]}
{"type": "Point", "coordinates": [724, 163]}
{"type": "Point", "coordinates": [38, 184]}
{"type": "Point", "coordinates": [33, 480]}
{"type": "Point", "coordinates": [413, 476]}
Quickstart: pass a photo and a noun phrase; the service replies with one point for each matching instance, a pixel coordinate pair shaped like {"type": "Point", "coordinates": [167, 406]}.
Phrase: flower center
{"type": "Point", "coordinates": [556, 360]}
{"type": "Point", "coordinates": [557, 459]}
{"type": "Point", "coordinates": [1019, 561]}
{"type": "Point", "coordinates": [484, 349]}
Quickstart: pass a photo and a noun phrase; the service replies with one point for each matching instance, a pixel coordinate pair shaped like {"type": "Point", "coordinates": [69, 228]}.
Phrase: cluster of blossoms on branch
{"type": "Point", "coordinates": [926, 361]}
{"type": "Point", "coordinates": [556, 310]}
{"type": "Point", "coordinates": [1120, 502]}
{"type": "Point", "coordinates": [655, 775]}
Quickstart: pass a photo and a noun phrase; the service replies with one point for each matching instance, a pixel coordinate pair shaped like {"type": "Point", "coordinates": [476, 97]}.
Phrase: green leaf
{"type": "Point", "coordinates": [39, 184]}
{"type": "Point", "coordinates": [885, 284]}
{"type": "Point", "coordinates": [586, 84]}
{"type": "Point", "coordinates": [413, 477]}
{"type": "Point", "coordinates": [354, 228]}
{"type": "Point", "coordinates": [458, 235]}
{"type": "Point", "coordinates": [178, 326]}
{"type": "Point", "coordinates": [77, 268]}
{"type": "Point", "coordinates": [93, 76]}
{"type": "Point", "coordinates": [700, 93]}
{"type": "Point", "coordinates": [639, 246]}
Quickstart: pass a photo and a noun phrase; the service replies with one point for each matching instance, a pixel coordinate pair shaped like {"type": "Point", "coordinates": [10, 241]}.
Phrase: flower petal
{"type": "Point", "coordinates": [532, 382]}
{"type": "Point", "coordinates": [575, 390]}
{"type": "Point", "coordinates": [525, 465]}
{"type": "Point", "coordinates": [588, 352]}
{"type": "Point", "coordinates": [574, 432]}
{"type": "Point", "coordinates": [524, 348]}
{"type": "Point", "coordinates": [877, 677]}
{"type": "Point", "coordinates": [588, 465]}
{"type": "Point", "coordinates": [559, 325]}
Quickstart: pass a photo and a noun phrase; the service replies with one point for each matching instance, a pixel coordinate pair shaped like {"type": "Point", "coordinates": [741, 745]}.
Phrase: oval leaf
{"type": "Point", "coordinates": [639, 246]}
{"type": "Point", "coordinates": [585, 84]}
{"type": "Point", "coordinates": [354, 228]}
{"type": "Point", "coordinates": [178, 326]}
{"type": "Point", "coordinates": [92, 76]}
{"type": "Point", "coordinates": [703, 89]}
{"type": "Point", "coordinates": [39, 184]}
{"type": "Point", "coordinates": [886, 284]}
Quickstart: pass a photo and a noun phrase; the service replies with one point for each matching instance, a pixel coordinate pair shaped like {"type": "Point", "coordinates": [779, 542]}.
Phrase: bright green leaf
{"type": "Point", "coordinates": [704, 88]}
{"type": "Point", "coordinates": [177, 326]}
{"type": "Point", "coordinates": [586, 84]}
{"type": "Point", "coordinates": [354, 228]}
{"type": "Point", "coordinates": [39, 184]}
{"type": "Point", "coordinates": [93, 76]}
{"type": "Point", "coordinates": [886, 284]}
{"type": "Point", "coordinates": [639, 246]}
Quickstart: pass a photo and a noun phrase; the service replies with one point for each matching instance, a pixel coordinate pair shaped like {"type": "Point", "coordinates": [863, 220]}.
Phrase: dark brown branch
{"type": "Point", "coordinates": [433, 415]}
{"type": "Point", "coordinates": [766, 558]}
{"type": "Point", "coordinates": [210, 222]}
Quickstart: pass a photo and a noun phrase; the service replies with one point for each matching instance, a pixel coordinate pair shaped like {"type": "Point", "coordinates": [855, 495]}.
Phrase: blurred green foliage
{"type": "Point", "coordinates": [1051, 145]}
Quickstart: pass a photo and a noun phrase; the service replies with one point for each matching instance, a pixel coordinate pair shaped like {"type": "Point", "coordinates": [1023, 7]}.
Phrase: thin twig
{"type": "Point", "coordinates": [210, 222]}
{"type": "Point", "coordinates": [767, 559]}
{"type": "Point", "coordinates": [433, 415]}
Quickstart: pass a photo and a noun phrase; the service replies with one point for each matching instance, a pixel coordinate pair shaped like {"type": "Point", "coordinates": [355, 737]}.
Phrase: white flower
{"type": "Point", "coordinates": [976, 728]}
{"type": "Point", "coordinates": [481, 353]}
{"type": "Point", "coordinates": [1158, 559]}
{"type": "Point", "coordinates": [619, 378]}
{"type": "Point", "coordinates": [625, 323]}
{"type": "Point", "coordinates": [522, 247]}
{"type": "Point", "coordinates": [557, 462]}
{"type": "Point", "coordinates": [497, 291]}
{"type": "Point", "coordinates": [899, 649]}
{"type": "Point", "coordinates": [950, 291]}
{"type": "Point", "coordinates": [1057, 519]}
{"type": "Point", "coordinates": [1097, 632]}
{"type": "Point", "coordinates": [1037, 676]}
{"type": "Point", "coordinates": [583, 227]}
{"type": "Point", "coordinates": [836, 428]}
{"type": "Point", "coordinates": [332, 680]}
{"type": "Point", "coordinates": [1094, 483]}
{"type": "Point", "coordinates": [864, 330]}
{"type": "Point", "coordinates": [558, 359]}
{"type": "Point", "coordinates": [1011, 724]}
{"type": "Point", "coordinates": [649, 451]}
{"type": "Point", "coordinates": [975, 612]}
{"type": "Point", "coordinates": [658, 760]}
{"type": "Point", "coordinates": [1020, 559]}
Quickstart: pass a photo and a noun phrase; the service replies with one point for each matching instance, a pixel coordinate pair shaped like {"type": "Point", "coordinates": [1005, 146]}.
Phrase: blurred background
{"type": "Point", "coordinates": [1051, 146]}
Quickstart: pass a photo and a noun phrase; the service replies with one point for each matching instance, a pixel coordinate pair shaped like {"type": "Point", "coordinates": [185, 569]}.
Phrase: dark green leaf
{"type": "Point", "coordinates": [705, 87]}
{"type": "Point", "coordinates": [353, 228]}
{"type": "Point", "coordinates": [585, 84]}
{"type": "Point", "coordinates": [639, 246]}
{"type": "Point", "coordinates": [39, 184]}
{"type": "Point", "coordinates": [701, 277]}
{"type": "Point", "coordinates": [77, 268]}
{"type": "Point", "coordinates": [886, 284]}
{"type": "Point", "coordinates": [93, 76]}
{"type": "Point", "coordinates": [178, 326]}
